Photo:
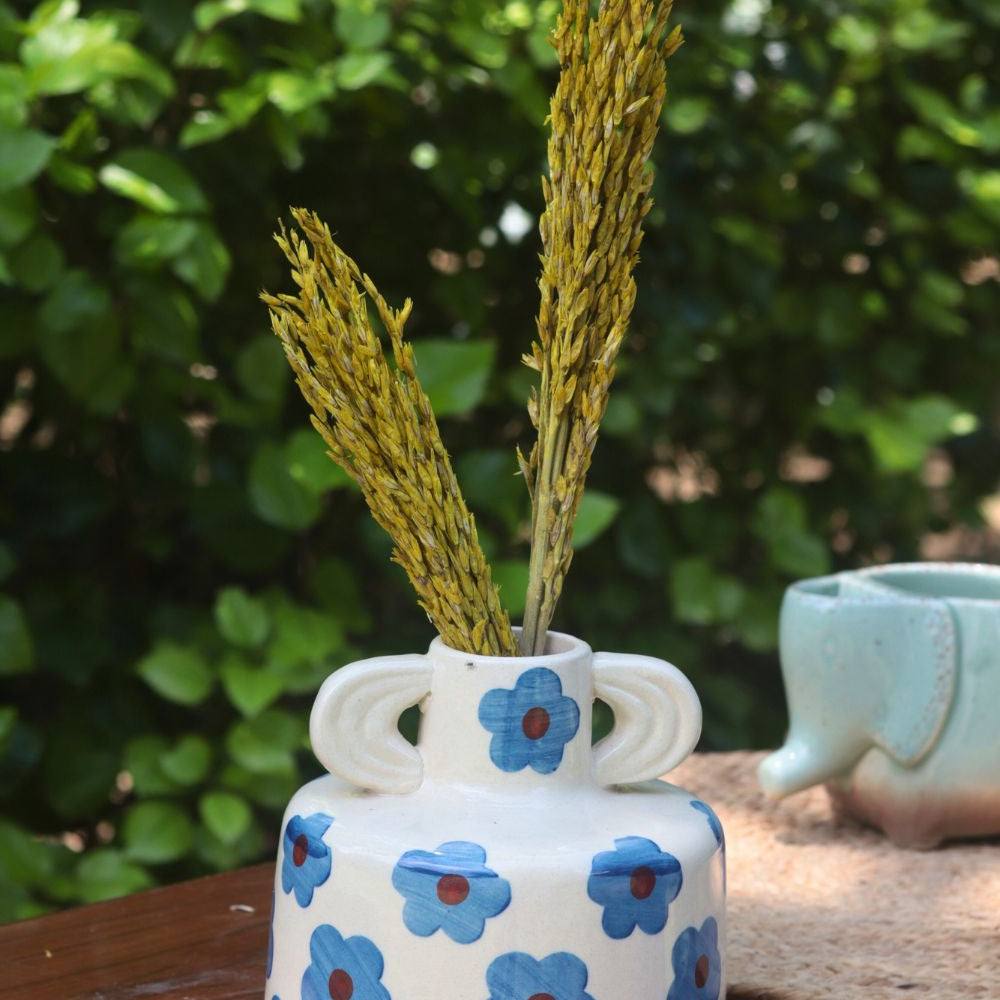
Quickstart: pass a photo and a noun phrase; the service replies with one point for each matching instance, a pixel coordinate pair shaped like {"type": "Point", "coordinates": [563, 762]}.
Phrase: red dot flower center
{"type": "Point", "coordinates": [301, 850]}
{"type": "Point", "coordinates": [452, 889]}
{"type": "Point", "coordinates": [535, 725]}
{"type": "Point", "coordinates": [341, 985]}
{"type": "Point", "coordinates": [643, 882]}
{"type": "Point", "coordinates": [701, 971]}
{"type": "Point", "coordinates": [542, 996]}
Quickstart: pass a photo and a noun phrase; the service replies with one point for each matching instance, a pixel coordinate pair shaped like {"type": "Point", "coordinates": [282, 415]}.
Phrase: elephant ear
{"type": "Point", "coordinates": [914, 642]}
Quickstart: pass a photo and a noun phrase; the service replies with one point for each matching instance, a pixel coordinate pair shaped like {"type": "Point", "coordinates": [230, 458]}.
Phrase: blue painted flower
{"type": "Point", "coordinates": [697, 964]}
{"type": "Point", "coordinates": [270, 941]}
{"type": "Point", "coordinates": [713, 820]}
{"type": "Point", "coordinates": [517, 976]}
{"type": "Point", "coordinates": [450, 889]}
{"type": "Point", "coordinates": [307, 860]}
{"type": "Point", "coordinates": [531, 723]}
{"type": "Point", "coordinates": [342, 969]}
{"type": "Point", "coordinates": [635, 883]}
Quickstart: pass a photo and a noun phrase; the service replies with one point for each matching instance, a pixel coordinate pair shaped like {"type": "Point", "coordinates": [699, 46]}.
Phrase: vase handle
{"type": "Point", "coordinates": [657, 717]}
{"type": "Point", "coordinates": [354, 722]}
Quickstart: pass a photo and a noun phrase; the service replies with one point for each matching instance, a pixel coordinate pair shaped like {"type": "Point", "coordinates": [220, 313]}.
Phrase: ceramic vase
{"type": "Point", "coordinates": [892, 675]}
{"type": "Point", "coordinates": [503, 857]}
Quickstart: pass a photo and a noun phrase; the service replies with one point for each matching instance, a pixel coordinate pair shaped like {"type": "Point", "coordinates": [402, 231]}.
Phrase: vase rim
{"type": "Point", "coordinates": [561, 648]}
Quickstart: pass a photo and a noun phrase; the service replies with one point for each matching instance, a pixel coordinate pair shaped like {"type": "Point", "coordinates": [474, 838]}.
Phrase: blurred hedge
{"type": "Point", "coordinates": [182, 566]}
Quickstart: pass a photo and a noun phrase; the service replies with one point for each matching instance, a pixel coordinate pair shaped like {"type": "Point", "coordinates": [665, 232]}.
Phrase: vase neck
{"type": "Point", "coordinates": [509, 724]}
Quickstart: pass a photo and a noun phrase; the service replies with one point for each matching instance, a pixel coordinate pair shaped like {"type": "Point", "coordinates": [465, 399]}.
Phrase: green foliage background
{"type": "Point", "coordinates": [181, 565]}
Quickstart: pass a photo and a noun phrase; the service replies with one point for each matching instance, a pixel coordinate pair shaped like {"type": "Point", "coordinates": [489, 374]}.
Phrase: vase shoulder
{"type": "Point", "coordinates": [561, 820]}
{"type": "Point", "coordinates": [609, 877]}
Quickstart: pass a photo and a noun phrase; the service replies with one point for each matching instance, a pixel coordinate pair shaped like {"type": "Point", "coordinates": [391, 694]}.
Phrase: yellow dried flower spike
{"type": "Point", "coordinates": [604, 117]}
{"type": "Point", "coordinates": [379, 427]}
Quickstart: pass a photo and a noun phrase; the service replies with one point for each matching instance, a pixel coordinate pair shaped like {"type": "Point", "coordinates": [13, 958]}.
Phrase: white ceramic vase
{"type": "Point", "coordinates": [503, 858]}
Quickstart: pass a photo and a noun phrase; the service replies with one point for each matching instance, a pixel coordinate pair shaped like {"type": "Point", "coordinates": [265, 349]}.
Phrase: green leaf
{"type": "Point", "coordinates": [687, 115]}
{"type": "Point", "coordinates": [226, 815]}
{"type": "Point", "coordinates": [157, 832]}
{"type": "Point", "coordinates": [490, 482]}
{"type": "Point", "coordinates": [266, 744]}
{"type": "Point", "coordinates": [270, 791]}
{"type": "Point", "coordinates": [189, 760]}
{"type": "Point", "coordinates": [781, 522]}
{"type": "Point", "coordinates": [251, 689]}
{"type": "Point", "coordinates": [76, 178]}
{"type": "Point", "coordinates": [207, 15]}
{"type": "Point", "coordinates": [79, 340]}
{"type": "Point", "coordinates": [241, 103]}
{"type": "Point", "coordinates": [151, 240]}
{"type": "Point", "coordinates": [623, 417]}
{"type": "Point", "coordinates": [303, 635]}
{"type": "Point", "coordinates": [105, 873]}
{"type": "Point", "coordinates": [359, 69]}
{"type": "Point", "coordinates": [596, 513]}
{"type": "Point", "coordinates": [237, 106]}
{"type": "Point", "coordinates": [485, 47]}
{"type": "Point", "coordinates": [454, 374]}
{"type": "Point", "coordinates": [216, 51]}
{"type": "Point", "coordinates": [177, 673]}
{"type": "Point", "coordinates": [901, 434]}
{"type": "Point", "coordinates": [918, 29]}
{"type": "Point", "coordinates": [143, 761]}
{"type": "Point", "coordinates": [205, 126]}
{"type": "Point", "coordinates": [292, 92]}
{"type": "Point", "coordinates": [362, 25]}
{"type": "Point", "coordinates": [162, 321]}
{"type": "Point", "coordinates": [289, 11]}
{"type": "Point", "coordinates": [263, 371]}
{"type": "Point", "coordinates": [205, 265]}
{"type": "Point", "coordinates": [52, 12]}
{"type": "Point", "coordinates": [155, 181]}
{"type": "Point", "coordinates": [13, 97]}
{"type": "Point", "coordinates": [854, 35]}
{"type": "Point", "coordinates": [756, 622]}
{"type": "Point", "coordinates": [276, 496]}
{"type": "Point", "coordinates": [24, 859]}
{"type": "Point", "coordinates": [66, 56]}
{"type": "Point", "coordinates": [18, 214]}
{"type": "Point", "coordinates": [334, 585]}
{"type": "Point", "coordinates": [703, 596]}
{"type": "Point", "coordinates": [37, 264]}
{"type": "Point", "coordinates": [242, 619]}
{"type": "Point", "coordinates": [17, 650]}
{"type": "Point", "coordinates": [511, 576]}
{"type": "Point", "coordinates": [23, 155]}
{"type": "Point", "coordinates": [310, 465]}
{"type": "Point", "coordinates": [843, 414]}
{"type": "Point", "coordinates": [79, 772]}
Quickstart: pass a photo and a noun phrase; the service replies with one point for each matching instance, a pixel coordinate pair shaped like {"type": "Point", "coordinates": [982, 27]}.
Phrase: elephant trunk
{"type": "Point", "coordinates": [797, 765]}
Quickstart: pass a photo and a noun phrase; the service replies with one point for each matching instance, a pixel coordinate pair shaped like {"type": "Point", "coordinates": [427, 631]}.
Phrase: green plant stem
{"type": "Point", "coordinates": [539, 606]}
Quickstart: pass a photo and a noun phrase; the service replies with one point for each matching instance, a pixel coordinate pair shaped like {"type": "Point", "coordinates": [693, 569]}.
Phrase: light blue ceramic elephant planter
{"type": "Point", "coordinates": [893, 682]}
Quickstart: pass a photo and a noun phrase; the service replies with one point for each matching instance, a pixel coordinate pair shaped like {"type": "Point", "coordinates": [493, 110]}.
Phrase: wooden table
{"type": "Point", "coordinates": [200, 940]}
{"type": "Point", "coordinates": [819, 909]}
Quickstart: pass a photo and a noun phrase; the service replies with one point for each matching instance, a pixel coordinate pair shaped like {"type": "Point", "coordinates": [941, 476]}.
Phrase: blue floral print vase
{"type": "Point", "coordinates": [503, 857]}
